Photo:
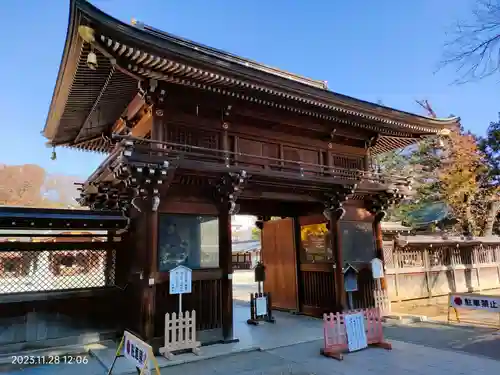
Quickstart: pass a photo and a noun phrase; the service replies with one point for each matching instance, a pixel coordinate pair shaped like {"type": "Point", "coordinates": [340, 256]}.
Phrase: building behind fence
{"type": "Point", "coordinates": [428, 266]}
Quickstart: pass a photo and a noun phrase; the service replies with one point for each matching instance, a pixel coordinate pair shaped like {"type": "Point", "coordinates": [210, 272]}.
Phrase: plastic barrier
{"type": "Point", "coordinates": [336, 337]}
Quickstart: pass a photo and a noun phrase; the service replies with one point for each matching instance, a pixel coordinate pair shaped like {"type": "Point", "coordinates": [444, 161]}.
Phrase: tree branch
{"type": "Point", "coordinates": [474, 46]}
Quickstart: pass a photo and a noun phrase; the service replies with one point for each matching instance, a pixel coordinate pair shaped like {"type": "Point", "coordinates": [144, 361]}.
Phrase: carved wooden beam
{"type": "Point", "coordinates": [378, 204]}
{"type": "Point", "coordinates": [129, 183]}
{"type": "Point", "coordinates": [333, 202]}
{"type": "Point", "coordinates": [229, 189]}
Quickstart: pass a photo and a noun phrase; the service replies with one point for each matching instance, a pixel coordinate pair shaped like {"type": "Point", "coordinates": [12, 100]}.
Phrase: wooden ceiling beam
{"type": "Point", "coordinates": [132, 109]}
{"type": "Point", "coordinates": [144, 125]}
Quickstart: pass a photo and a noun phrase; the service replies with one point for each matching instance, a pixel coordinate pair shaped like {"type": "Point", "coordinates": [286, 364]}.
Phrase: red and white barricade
{"type": "Point", "coordinates": [336, 340]}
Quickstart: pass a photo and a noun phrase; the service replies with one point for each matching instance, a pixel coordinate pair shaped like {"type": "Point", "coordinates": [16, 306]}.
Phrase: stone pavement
{"type": "Point", "coordinates": [243, 285]}
{"type": "Point", "coordinates": [481, 341]}
{"type": "Point", "coordinates": [304, 359]}
{"type": "Point", "coordinates": [293, 343]}
{"type": "Point", "coordinates": [436, 309]}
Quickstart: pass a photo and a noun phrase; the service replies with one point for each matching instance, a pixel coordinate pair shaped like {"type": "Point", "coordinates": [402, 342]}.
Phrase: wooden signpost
{"type": "Point", "coordinates": [260, 303]}
{"type": "Point", "coordinates": [137, 352]}
{"type": "Point", "coordinates": [350, 283]}
{"type": "Point", "coordinates": [180, 328]}
{"type": "Point", "coordinates": [181, 281]}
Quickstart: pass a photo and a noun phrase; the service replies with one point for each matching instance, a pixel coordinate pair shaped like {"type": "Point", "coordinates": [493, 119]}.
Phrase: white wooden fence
{"type": "Point", "coordinates": [180, 334]}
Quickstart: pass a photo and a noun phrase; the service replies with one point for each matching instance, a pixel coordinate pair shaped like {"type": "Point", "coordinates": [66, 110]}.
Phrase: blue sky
{"type": "Point", "coordinates": [384, 50]}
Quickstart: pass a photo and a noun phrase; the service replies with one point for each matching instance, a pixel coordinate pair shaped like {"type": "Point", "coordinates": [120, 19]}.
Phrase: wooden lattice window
{"type": "Point", "coordinates": [192, 137]}
{"type": "Point", "coordinates": [346, 162]}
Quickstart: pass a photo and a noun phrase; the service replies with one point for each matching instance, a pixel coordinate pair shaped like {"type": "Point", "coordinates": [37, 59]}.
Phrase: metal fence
{"type": "Point", "coordinates": [30, 267]}
{"type": "Point", "coordinates": [34, 271]}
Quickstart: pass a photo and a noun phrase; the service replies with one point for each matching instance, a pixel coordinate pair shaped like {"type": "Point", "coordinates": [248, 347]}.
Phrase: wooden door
{"type": "Point", "coordinates": [279, 257]}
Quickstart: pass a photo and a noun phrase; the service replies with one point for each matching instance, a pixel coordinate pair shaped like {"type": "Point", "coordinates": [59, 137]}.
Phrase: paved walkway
{"type": "Point", "coordinates": [291, 346]}
{"type": "Point", "coordinates": [304, 359]}
{"type": "Point", "coordinates": [436, 309]}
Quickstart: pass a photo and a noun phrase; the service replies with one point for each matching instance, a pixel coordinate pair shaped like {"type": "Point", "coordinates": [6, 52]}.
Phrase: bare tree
{"type": "Point", "coordinates": [474, 45]}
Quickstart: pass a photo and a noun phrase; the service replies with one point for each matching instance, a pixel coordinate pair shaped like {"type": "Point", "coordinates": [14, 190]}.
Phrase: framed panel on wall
{"type": "Point", "coordinates": [315, 243]}
{"type": "Point", "coordinates": [188, 240]}
{"type": "Point", "coordinates": [358, 242]}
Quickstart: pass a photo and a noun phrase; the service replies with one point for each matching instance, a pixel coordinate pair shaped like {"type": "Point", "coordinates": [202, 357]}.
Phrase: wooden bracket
{"type": "Point", "coordinates": [333, 202]}
{"type": "Point", "coordinates": [230, 188]}
{"type": "Point", "coordinates": [379, 203]}
{"type": "Point", "coordinates": [129, 182]}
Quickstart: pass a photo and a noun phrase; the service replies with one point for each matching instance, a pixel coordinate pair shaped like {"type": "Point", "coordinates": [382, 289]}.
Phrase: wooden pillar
{"type": "Point", "coordinates": [366, 160]}
{"type": "Point", "coordinates": [151, 249]}
{"type": "Point", "coordinates": [377, 233]}
{"type": "Point", "coordinates": [336, 237]}
{"type": "Point", "coordinates": [226, 264]}
{"type": "Point", "coordinates": [378, 240]}
{"type": "Point", "coordinates": [225, 143]}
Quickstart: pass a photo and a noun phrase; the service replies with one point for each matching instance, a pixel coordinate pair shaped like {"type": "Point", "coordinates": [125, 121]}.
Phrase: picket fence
{"type": "Point", "coordinates": [382, 301]}
{"type": "Point", "coordinates": [335, 335]}
{"type": "Point", "coordinates": [180, 334]}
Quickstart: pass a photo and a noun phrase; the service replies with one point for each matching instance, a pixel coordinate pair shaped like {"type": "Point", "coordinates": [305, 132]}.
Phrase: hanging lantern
{"type": "Point", "coordinates": [53, 156]}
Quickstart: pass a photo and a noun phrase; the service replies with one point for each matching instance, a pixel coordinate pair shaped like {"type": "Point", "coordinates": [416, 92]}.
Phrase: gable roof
{"type": "Point", "coordinates": [86, 103]}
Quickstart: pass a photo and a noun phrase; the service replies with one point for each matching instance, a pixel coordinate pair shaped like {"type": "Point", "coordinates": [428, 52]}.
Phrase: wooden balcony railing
{"type": "Point", "coordinates": [161, 150]}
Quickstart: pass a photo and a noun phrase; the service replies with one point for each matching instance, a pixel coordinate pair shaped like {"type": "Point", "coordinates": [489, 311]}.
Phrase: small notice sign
{"type": "Point", "coordinates": [350, 279]}
{"type": "Point", "coordinates": [261, 306]}
{"type": "Point", "coordinates": [355, 330]}
{"type": "Point", "coordinates": [139, 353]}
{"type": "Point", "coordinates": [475, 302]}
{"type": "Point", "coordinates": [181, 280]}
{"type": "Point", "coordinates": [377, 268]}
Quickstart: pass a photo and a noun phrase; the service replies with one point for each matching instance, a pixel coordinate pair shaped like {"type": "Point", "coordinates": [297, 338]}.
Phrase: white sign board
{"type": "Point", "coordinates": [181, 280]}
{"type": "Point", "coordinates": [475, 302]}
{"type": "Point", "coordinates": [261, 306]}
{"type": "Point", "coordinates": [137, 352]}
{"type": "Point", "coordinates": [355, 329]}
{"type": "Point", "coordinates": [377, 268]}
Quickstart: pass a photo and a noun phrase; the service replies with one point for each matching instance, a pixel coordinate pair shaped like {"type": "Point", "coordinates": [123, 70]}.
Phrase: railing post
{"type": "Point", "coordinates": [395, 257]}
{"type": "Point", "coordinates": [427, 269]}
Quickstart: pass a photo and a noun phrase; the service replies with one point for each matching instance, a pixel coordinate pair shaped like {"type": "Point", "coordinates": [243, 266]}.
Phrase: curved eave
{"type": "Point", "coordinates": [67, 69]}
{"type": "Point", "coordinates": [145, 62]}
{"type": "Point", "coordinates": [163, 43]}
{"type": "Point", "coordinates": [191, 57]}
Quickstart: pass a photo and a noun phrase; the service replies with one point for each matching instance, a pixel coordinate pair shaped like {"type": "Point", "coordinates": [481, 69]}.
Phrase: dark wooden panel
{"type": "Point", "coordinates": [186, 135]}
{"type": "Point", "coordinates": [318, 289]}
{"type": "Point", "coordinates": [254, 147]}
{"type": "Point", "coordinates": [206, 299]}
{"type": "Point", "coordinates": [347, 162]}
{"type": "Point", "coordinates": [279, 257]}
{"type": "Point", "coordinates": [32, 321]}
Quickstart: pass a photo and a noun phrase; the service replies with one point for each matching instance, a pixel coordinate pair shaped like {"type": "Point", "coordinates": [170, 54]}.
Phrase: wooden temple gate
{"type": "Point", "coordinates": [301, 269]}
{"type": "Point", "coordinates": [195, 135]}
{"type": "Point", "coordinates": [59, 287]}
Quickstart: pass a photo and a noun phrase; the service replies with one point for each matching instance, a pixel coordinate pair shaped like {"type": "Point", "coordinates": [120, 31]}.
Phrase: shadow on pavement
{"type": "Point", "coordinates": [473, 340]}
